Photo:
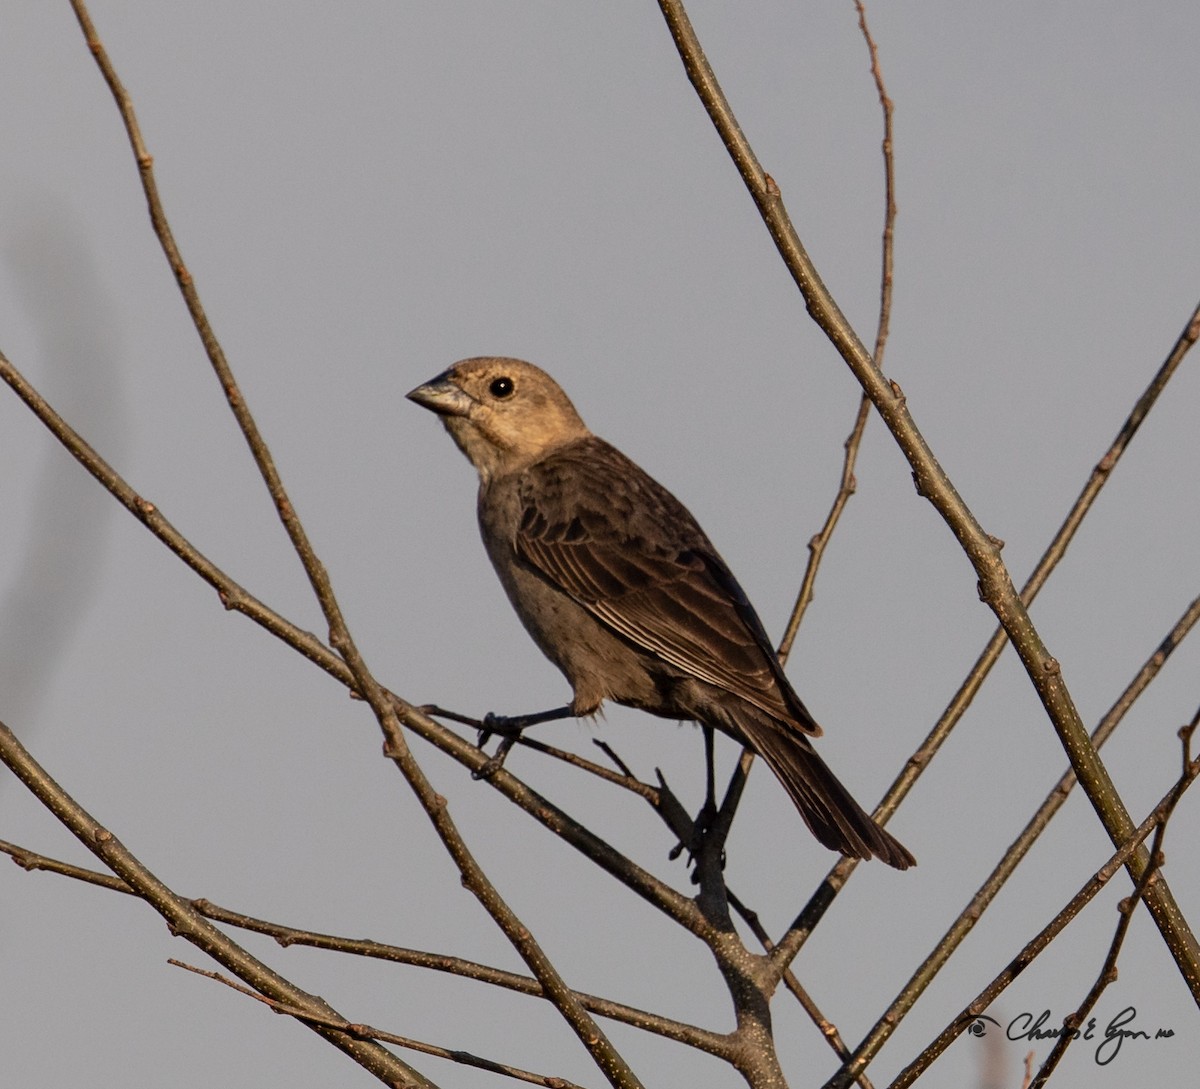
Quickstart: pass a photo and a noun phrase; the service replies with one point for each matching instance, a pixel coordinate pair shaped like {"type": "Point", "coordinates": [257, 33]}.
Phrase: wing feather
{"type": "Point", "coordinates": [601, 530]}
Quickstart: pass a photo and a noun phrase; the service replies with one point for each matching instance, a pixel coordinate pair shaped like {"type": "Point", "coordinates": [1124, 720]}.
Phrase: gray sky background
{"type": "Point", "coordinates": [366, 192]}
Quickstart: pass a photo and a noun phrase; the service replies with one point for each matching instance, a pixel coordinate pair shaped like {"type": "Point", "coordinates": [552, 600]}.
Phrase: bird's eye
{"type": "Point", "coordinates": [502, 387]}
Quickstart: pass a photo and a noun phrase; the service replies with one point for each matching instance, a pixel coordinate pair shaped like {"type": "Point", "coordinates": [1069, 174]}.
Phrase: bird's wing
{"type": "Point", "coordinates": [603, 531]}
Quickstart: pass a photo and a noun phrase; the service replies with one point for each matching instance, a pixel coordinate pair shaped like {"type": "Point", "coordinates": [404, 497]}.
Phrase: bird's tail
{"type": "Point", "coordinates": [835, 818]}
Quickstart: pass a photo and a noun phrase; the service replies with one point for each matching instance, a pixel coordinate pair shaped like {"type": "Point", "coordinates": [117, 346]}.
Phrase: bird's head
{"type": "Point", "coordinates": [504, 414]}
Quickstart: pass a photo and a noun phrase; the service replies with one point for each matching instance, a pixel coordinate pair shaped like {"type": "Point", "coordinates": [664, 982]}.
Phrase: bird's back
{"type": "Point", "coordinates": [598, 529]}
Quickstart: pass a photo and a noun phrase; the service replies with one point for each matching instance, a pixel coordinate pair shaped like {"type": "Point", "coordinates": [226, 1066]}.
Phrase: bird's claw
{"type": "Point", "coordinates": [502, 725]}
{"type": "Point", "coordinates": [507, 727]}
{"type": "Point", "coordinates": [509, 731]}
{"type": "Point", "coordinates": [697, 841]}
{"type": "Point", "coordinates": [702, 826]}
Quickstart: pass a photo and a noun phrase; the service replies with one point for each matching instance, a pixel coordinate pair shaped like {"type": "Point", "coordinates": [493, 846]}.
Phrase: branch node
{"type": "Point", "coordinates": [23, 860]}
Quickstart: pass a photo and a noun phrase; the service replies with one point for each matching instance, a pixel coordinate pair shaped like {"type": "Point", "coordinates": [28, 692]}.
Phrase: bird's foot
{"type": "Point", "coordinates": [509, 731]}
{"type": "Point", "coordinates": [503, 726]}
{"type": "Point", "coordinates": [706, 819]}
{"type": "Point", "coordinates": [706, 835]}
{"type": "Point", "coordinates": [507, 727]}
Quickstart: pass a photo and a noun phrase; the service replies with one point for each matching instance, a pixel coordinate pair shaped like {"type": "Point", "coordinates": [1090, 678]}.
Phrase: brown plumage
{"type": "Point", "coordinates": [622, 590]}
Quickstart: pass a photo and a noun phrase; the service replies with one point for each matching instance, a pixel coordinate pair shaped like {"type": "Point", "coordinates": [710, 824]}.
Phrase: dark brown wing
{"type": "Point", "coordinates": [615, 540]}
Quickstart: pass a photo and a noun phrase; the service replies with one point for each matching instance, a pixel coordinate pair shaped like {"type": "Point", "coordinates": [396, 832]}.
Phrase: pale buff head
{"type": "Point", "coordinates": [504, 414]}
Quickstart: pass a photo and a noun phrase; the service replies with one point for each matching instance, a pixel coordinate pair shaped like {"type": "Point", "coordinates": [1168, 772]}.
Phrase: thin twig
{"type": "Point", "coordinates": [186, 922]}
{"type": "Point", "coordinates": [603, 1053]}
{"type": "Point", "coordinates": [367, 1032]}
{"type": "Point", "coordinates": [1108, 971]}
{"type": "Point", "coordinates": [820, 540]}
{"type": "Point", "coordinates": [825, 894]}
{"type": "Point", "coordinates": [889, 189]}
{"type": "Point", "coordinates": [938, 957]}
{"type": "Point", "coordinates": [1126, 908]}
{"type": "Point", "coordinates": [714, 1043]}
{"type": "Point", "coordinates": [848, 483]}
{"type": "Point", "coordinates": [1044, 937]}
{"type": "Point", "coordinates": [982, 549]}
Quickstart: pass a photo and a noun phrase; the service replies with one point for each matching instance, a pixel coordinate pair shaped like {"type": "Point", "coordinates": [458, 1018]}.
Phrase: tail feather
{"type": "Point", "coordinates": [827, 807]}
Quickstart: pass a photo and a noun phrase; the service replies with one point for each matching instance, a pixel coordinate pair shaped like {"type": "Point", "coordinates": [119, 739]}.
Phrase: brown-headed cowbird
{"type": "Point", "coordinates": [621, 589]}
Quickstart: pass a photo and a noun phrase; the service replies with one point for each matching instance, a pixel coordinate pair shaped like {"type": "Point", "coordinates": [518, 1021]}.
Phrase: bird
{"type": "Point", "coordinates": [621, 589]}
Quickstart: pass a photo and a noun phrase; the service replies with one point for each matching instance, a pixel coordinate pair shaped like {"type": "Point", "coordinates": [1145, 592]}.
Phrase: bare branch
{"type": "Point", "coordinates": [813, 911]}
{"type": "Point", "coordinates": [185, 921]}
{"type": "Point", "coordinates": [714, 1043]}
{"type": "Point", "coordinates": [1125, 909]}
{"type": "Point", "coordinates": [1044, 937]}
{"type": "Point", "coordinates": [366, 1032]}
{"type": "Point", "coordinates": [234, 596]}
{"type": "Point", "coordinates": [981, 548]}
{"type": "Point", "coordinates": [827, 1028]}
{"type": "Point", "coordinates": [847, 485]}
{"type": "Point", "coordinates": [940, 955]}
{"type": "Point", "coordinates": [601, 1049]}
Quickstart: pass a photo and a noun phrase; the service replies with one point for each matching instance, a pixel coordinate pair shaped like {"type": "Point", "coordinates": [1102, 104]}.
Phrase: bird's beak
{"type": "Point", "coordinates": [442, 396]}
